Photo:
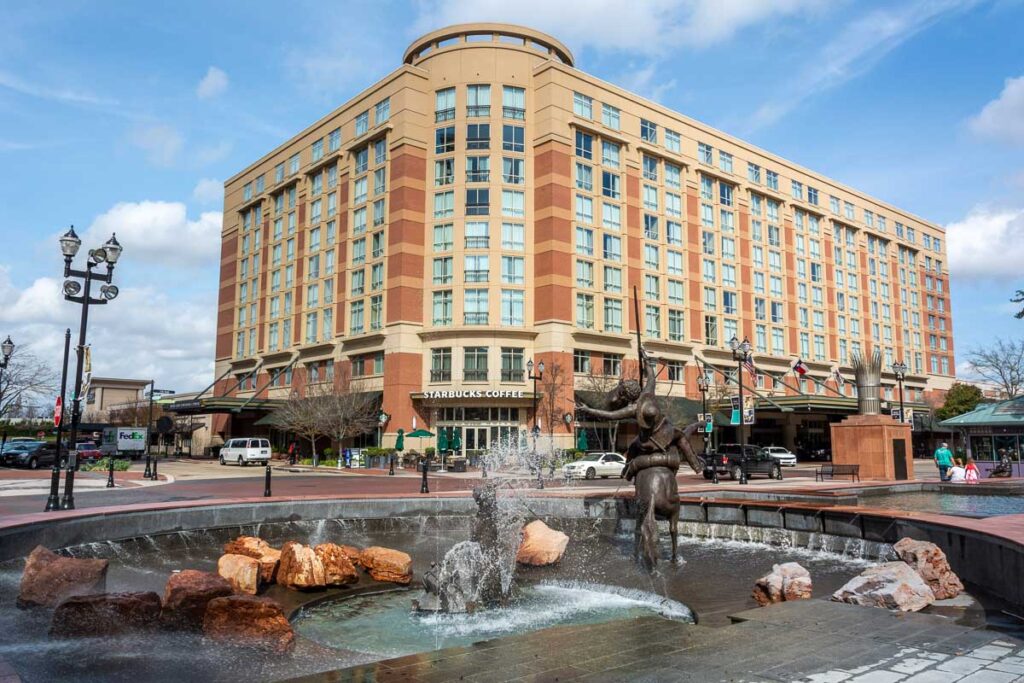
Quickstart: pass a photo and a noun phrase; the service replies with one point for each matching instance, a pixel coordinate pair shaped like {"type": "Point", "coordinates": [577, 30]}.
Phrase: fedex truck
{"type": "Point", "coordinates": [124, 441]}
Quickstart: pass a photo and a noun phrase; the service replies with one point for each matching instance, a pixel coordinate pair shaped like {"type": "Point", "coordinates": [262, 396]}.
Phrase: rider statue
{"type": "Point", "coordinates": [659, 443]}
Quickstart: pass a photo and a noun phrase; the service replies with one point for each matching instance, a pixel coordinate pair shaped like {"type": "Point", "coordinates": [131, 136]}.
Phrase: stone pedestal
{"type": "Point", "coordinates": [878, 443]}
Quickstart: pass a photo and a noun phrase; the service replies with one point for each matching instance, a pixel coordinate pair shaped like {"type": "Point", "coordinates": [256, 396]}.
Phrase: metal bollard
{"type": "Point", "coordinates": [391, 466]}
{"type": "Point", "coordinates": [154, 477]}
{"type": "Point", "coordinates": [266, 482]}
{"type": "Point", "coordinates": [423, 487]}
{"type": "Point", "coordinates": [110, 472]}
{"type": "Point", "coordinates": [149, 471]}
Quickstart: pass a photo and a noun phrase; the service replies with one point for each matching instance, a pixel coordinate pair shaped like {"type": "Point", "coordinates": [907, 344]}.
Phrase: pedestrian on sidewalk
{"type": "Point", "coordinates": [292, 448]}
{"type": "Point", "coordinates": [971, 472]}
{"type": "Point", "coordinates": [943, 460]}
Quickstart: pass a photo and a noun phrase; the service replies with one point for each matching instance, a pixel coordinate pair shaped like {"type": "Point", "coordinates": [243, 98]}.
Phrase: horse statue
{"type": "Point", "coordinates": [652, 459]}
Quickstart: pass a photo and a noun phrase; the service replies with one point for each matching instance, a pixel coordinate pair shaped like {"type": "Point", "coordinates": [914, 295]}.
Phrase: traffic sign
{"type": "Point", "coordinates": [58, 411]}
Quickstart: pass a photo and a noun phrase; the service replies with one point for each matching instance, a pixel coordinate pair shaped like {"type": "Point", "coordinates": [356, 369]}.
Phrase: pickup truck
{"type": "Point", "coordinates": [729, 457]}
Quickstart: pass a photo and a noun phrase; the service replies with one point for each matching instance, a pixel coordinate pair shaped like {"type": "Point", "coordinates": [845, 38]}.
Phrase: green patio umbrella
{"type": "Point", "coordinates": [581, 441]}
{"type": "Point", "coordinates": [419, 434]}
{"type": "Point", "coordinates": [442, 440]}
{"type": "Point", "coordinates": [400, 441]}
{"type": "Point", "coordinates": [455, 440]}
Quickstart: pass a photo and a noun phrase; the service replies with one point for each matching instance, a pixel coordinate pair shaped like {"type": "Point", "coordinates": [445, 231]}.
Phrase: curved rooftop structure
{"type": "Point", "coordinates": [461, 35]}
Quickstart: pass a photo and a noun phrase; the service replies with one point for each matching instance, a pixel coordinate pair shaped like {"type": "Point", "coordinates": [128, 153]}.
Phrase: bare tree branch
{"type": "Point", "coordinates": [27, 381]}
{"type": "Point", "coordinates": [1002, 364]}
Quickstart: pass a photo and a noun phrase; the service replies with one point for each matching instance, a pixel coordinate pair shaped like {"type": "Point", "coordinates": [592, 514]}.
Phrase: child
{"type": "Point", "coordinates": [971, 473]}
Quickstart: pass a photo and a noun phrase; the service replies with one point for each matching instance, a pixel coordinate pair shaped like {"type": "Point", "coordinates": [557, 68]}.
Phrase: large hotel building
{"type": "Point", "coordinates": [487, 204]}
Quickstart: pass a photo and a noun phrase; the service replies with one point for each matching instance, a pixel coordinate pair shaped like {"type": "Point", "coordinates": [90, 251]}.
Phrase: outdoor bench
{"type": "Point", "coordinates": [832, 471]}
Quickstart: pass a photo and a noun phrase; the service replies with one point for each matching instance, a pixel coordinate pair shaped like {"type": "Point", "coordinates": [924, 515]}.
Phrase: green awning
{"type": "Point", "coordinates": [1003, 414]}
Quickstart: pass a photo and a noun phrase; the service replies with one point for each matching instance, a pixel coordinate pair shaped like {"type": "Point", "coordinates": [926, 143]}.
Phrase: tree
{"type": "Point", "coordinates": [303, 415]}
{"type": "Point", "coordinates": [28, 380]}
{"type": "Point", "coordinates": [549, 407]}
{"type": "Point", "coordinates": [1002, 364]}
{"type": "Point", "coordinates": [345, 413]}
{"type": "Point", "coordinates": [1018, 298]}
{"type": "Point", "coordinates": [599, 384]}
{"type": "Point", "coordinates": [961, 398]}
{"type": "Point", "coordinates": [134, 414]}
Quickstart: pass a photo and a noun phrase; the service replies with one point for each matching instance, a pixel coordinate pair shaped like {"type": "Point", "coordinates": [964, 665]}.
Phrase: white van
{"type": "Point", "coordinates": [245, 451]}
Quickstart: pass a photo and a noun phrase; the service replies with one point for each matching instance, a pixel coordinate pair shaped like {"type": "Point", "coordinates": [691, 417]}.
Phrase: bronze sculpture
{"type": "Point", "coordinates": [868, 371]}
{"type": "Point", "coordinates": [653, 457]}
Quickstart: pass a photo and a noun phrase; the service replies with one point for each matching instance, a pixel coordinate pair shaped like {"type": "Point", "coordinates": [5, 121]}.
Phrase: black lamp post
{"type": "Point", "coordinates": [53, 501]}
{"type": "Point", "coordinates": [703, 384]}
{"type": "Point", "coordinates": [900, 368]}
{"type": "Point", "coordinates": [536, 428]}
{"type": "Point", "coordinates": [6, 351]}
{"type": "Point", "coordinates": [740, 352]}
{"type": "Point", "coordinates": [80, 293]}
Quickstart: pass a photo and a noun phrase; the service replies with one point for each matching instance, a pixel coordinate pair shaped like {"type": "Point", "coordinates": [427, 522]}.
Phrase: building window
{"type": "Point", "coordinates": [477, 268]}
{"type": "Point", "coordinates": [513, 236]}
{"type": "Point", "coordinates": [581, 361]}
{"type": "Point", "coordinates": [476, 308]}
{"type": "Point", "coordinates": [584, 145]}
{"type": "Point", "coordinates": [584, 177]}
{"type": "Point", "coordinates": [582, 105]}
{"type": "Point", "coordinates": [513, 103]}
{"type": "Point", "coordinates": [441, 365]}
{"type": "Point", "coordinates": [725, 161]}
{"type": "Point", "coordinates": [585, 311]}
{"type": "Point", "coordinates": [382, 112]}
{"type": "Point", "coordinates": [444, 109]}
{"type": "Point", "coordinates": [444, 140]}
{"type": "Point", "coordinates": [475, 364]}
{"type": "Point", "coordinates": [610, 116]}
{"type": "Point", "coordinates": [612, 315]}
{"type": "Point", "coordinates": [513, 307]}
{"type": "Point", "coordinates": [513, 270]}
{"type": "Point", "coordinates": [478, 136]}
{"type": "Point", "coordinates": [511, 364]}
{"type": "Point", "coordinates": [444, 204]}
{"type": "Point", "coordinates": [376, 312]}
{"type": "Point", "coordinates": [513, 203]}
{"type": "Point", "coordinates": [673, 141]}
{"type": "Point", "coordinates": [362, 123]}
{"type": "Point", "coordinates": [648, 131]}
{"type": "Point", "coordinates": [477, 235]}
{"type": "Point", "coordinates": [513, 138]}
{"type": "Point", "coordinates": [612, 364]}
{"type": "Point", "coordinates": [442, 308]}
{"type": "Point", "coordinates": [443, 272]}
{"type": "Point", "coordinates": [704, 154]}
{"type": "Point", "coordinates": [512, 171]}
{"type": "Point", "coordinates": [711, 330]}
{"type": "Point", "coordinates": [478, 101]}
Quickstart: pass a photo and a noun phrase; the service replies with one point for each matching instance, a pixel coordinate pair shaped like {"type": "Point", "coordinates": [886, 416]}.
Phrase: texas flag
{"type": "Point", "coordinates": [800, 368]}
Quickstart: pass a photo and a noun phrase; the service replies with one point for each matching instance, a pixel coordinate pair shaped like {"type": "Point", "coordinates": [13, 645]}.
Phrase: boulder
{"type": "Point", "coordinates": [300, 567]}
{"type": "Point", "coordinates": [338, 568]}
{"type": "Point", "coordinates": [186, 596]}
{"type": "Point", "coordinates": [352, 553]}
{"type": "Point", "coordinates": [243, 573]}
{"type": "Point", "coordinates": [49, 578]}
{"type": "Point", "coordinates": [385, 564]}
{"type": "Point", "coordinates": [251, 546]}
{"type": "Point", "coordinates": [541, 545]}
{"type": "Point", "coordinates": [248, 621]}
{"type": "Point", "coordinates": [893, 585]}
{"type": "Point", "coordinates": [788, 581]}
{"type": "Point", "coordinates": [930, 563]}
{"type": "Point", "coordinates": [106, 614]}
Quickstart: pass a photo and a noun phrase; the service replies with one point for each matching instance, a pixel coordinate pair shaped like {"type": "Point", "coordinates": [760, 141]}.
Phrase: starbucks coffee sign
{"type": "Point", "coordinates": [474, 393]}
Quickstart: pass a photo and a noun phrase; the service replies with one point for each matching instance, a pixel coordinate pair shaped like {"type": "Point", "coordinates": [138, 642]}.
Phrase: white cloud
{"type": "Point", "coordinates": [208, 191]}
{"type": "Point", "coordinates": [212, 153]}
{"type": "Point", "coordinates": [1003, 117]}
{"type": "Point", "coordinates": [853, 51]}
{"type": "Point", "coordinates": [645, 81]}
{"type": "Point", "coordinates": [54, 93]}
{"type": "Point", "coordinates": [987, 245]}
{"type": "Point", "coordinates": [159, 233]}
{"type": "Point", "coordinates": [146, 332]}
{"type": "Point", "coordinates": [214, 83]}
{"type": "Point", "coordinates": [161, 143]}
{"type": "Point", "coordinates": [647, 27]}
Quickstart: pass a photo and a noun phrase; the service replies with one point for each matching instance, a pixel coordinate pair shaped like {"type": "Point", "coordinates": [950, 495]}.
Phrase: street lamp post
{"type": "Point", "coordinates": [703, 384]}
{"type": "Point", "coordinates": [536, 428]}
{"type": "Point", "coordinates": [900, 368]}
{"type": "Point", "coordinates": [148, 474]}
{"type": "Point", "coordinates": [53, 502]}
{"type": "Point", "coordinates": [80, 293]}
{"type": "Point", "coordinates": [6, 351]}
{"type": "Point", "coordinates": [740, 352]}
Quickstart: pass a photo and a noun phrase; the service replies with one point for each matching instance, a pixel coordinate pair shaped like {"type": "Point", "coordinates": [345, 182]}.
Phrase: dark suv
{"type": "Point", "coordinates": [729, 457]}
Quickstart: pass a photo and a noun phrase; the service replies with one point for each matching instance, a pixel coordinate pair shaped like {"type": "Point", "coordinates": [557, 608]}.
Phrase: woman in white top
{"type": "Point", "coordinates": [957, 473]}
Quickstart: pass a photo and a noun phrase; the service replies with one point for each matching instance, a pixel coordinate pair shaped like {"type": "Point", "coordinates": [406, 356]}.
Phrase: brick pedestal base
{"type": "Point", "coordinates": [873, 441]}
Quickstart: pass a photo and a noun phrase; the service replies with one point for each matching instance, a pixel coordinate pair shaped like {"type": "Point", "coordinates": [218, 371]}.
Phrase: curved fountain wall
{"type": "Point", "coordinates": [985, 560]}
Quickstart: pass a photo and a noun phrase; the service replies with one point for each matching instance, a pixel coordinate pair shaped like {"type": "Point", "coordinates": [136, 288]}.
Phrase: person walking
{"type": "Point", "coordinates": [943, 460]}
{"type": "Point", "coordinates": [292, 448]}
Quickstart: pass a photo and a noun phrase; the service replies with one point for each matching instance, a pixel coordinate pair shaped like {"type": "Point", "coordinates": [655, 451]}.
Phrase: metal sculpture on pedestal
{"type": "Point", "coordinates": [653, 457]}
{"type": "Point", "coordinates": [868, 374]}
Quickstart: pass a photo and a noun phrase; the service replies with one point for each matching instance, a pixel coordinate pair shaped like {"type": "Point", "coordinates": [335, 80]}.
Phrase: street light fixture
{"type": "Point", "coordinates": [704, 384]}
{"type": "Point", "coordinates": [740, 353]}
{"type": "Point", "coordinates": [536, 429]}
{"type": "Point", "coordinates": [7, 349]}
{"type": "Point", "coordinates": [80, 293]}
{"type": "Point", "coordinates": [900, 368]}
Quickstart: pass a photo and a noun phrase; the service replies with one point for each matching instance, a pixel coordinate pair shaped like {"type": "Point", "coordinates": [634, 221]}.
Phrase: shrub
{"type": "Point", "coordinates": [430, 451]}
{"type": "Point", "coordinates": [103, 464]}
{"type": "Point", "coordinates": [328, 452]}
{"type": "Point", "coordinates": [378, 452]}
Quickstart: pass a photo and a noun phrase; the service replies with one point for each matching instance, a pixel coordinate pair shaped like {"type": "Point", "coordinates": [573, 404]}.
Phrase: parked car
{"type": "Point", "coordinates": [783, 455]}
{"type": "Point", "coordinates": [87, 452]}
{"type": "Point", "coordinates": [729, 457]}
{"type": "Point", "coordinates": [244, 451]}
{"type": "Point", "coordinates": [32, 454]}
{"type": "Point", "coordinates": [593, 465]}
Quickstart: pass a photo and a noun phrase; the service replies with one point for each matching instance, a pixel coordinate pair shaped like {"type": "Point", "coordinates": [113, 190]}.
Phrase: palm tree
{"type": "Point", "coordinates": [1019, 299]}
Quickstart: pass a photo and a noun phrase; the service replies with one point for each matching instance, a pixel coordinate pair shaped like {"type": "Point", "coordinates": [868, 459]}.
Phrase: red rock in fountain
{"type": "Point", "coordinates": [187, 594]}
{"type": "Point", "coordinates": [385, 564]}
{"type": "Point", "coordinates": [243, 573]}
{"type": "Point", "coordinates": [338, 568]}
{"type": "Point", "coordinates": [352, 553]}
{"type": "Point", "coordinates": [251, 546]}
{"type": "Point", "coordinates": [931, 564]}
{"type": "Point", "coordinates": [300, 567]}
{"type": "Point", "coordinates": [106, 614]}
{"type": "Point", "coordinates": [788, 581]}
{"type": "Point", "coordinates": [49, 578]}
{"type": "Point", "coordinates": [249, 621]}
{"type": "Point", "coordinates": [541, 545]}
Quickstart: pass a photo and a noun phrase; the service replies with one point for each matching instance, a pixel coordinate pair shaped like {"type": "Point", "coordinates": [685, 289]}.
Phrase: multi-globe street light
{"type": "Point", "coordinates": [81, 293]}
{"type": "Point", "coordinates": [704, 384]}
{"type": "Point", "coordinates": [900, 368]}
{"type": "Point", "coordinates": [536, 427]}
{"type": "Point", "coordinates": [740, 353]}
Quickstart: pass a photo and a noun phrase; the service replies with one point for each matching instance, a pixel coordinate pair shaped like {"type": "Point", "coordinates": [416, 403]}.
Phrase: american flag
{"type": "Point", "coordinates": [748, 363]}
{"type": "Point", "coordinates": [840, 380]}
{"type": "Point", "coordinates": [800, 368]}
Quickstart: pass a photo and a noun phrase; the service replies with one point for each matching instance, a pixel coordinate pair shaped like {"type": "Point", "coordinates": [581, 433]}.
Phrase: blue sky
{"type": "Point", "coordinates": [129, 116]}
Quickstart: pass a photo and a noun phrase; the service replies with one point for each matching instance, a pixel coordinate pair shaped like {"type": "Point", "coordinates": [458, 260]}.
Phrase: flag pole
{"type": "Point", "coordinates": [639, 347]}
